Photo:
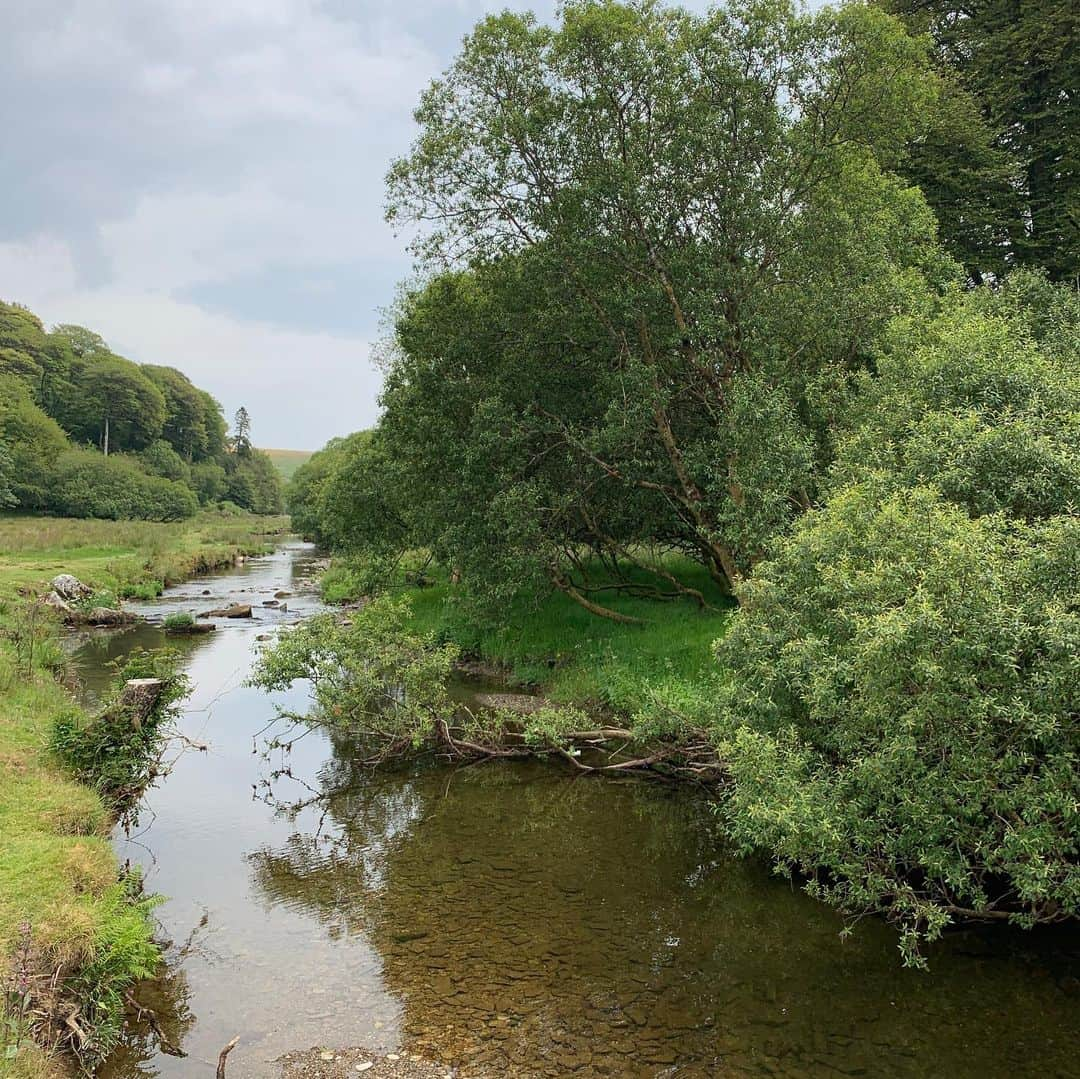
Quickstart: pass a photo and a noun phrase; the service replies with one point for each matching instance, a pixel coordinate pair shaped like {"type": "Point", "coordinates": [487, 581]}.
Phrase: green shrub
{"type": "Point", "coordinates": [88, 484]}
{"type": "Point", "coordinates": [116, 753]}
{"type": "Point", "coordinates": [179, 620]}
{"type": "Point", "coordinates": [160, 459]}
{"type": "Point", "coordinates": [902, 716]}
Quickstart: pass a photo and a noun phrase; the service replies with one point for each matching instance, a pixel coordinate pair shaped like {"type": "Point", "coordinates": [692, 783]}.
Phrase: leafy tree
{"type": "Point", "coordinates": [118, 407]}
{"type": "Point", "coordinates": [214, 428]}
{"type": "Point", "coordinates": [184, 427]}
{"type": "Point", "coordinates": [683, 241]}
{"type": "Point", "coordinates": [32, 441]}
{"type": "Point", "coordinates": [208, 481]}
{"type": "Point", "coordinates": [253, 483]}
{"type": "Point", "coordinates": [7, 479]}
{"type": "Point", "coordinates": [1020, 63]}
{"type": "Point", "coordinates": [82, 342]}
{"type": "Point", "coordinates": [41, 360]}
{"type": "Point", "coordinates": [303, 495]}
{"type": "Point", "coordinates": [900, 714]}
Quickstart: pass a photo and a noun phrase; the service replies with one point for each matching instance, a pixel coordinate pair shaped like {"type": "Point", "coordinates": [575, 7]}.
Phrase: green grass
{"type": "Point", "coordinates": [58, 871]}
{"type": "Point", "coordinates": [287, 461]}
{"type": "Point", "coordinates": [130, 558]}
{"type": "Point", "coordinates": [575, 656]}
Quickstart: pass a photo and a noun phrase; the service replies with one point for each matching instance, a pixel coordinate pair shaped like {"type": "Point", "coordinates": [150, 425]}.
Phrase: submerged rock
{"type": "Point", "coordinates": [190, 628]}
{"type": "Point", "coordinates": [105, 616]}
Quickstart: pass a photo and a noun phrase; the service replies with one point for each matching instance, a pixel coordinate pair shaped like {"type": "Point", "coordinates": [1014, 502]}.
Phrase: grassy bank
{"type": "Point", "coordinates": [65, 915]}
{"type": "Point", "coordinates": [130, 558]}
{"type": "Point", "coordinates": [572, 655]}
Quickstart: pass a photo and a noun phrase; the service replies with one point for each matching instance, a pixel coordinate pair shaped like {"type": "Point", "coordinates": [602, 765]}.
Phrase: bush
{"type": "Point", "coordinates": [116, 756]}
{"type": "Point", "coordinates": [89, 484]}
{"type": "Point", "coordinates": [982, 401]}
{"type": "Point", "coordinates": [901, 719]}
{"type": "Point", "coordinates": [179, 620]}
{"type": "Point", "coordinates": [160, 459]}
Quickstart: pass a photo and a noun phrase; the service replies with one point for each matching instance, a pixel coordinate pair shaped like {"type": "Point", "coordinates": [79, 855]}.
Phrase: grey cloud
{"type": "Point", "coordinates": [202, 180]}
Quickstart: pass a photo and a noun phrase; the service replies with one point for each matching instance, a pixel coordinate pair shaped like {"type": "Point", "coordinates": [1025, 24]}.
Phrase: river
{"type": "Point", "coordinates": [513, 919]}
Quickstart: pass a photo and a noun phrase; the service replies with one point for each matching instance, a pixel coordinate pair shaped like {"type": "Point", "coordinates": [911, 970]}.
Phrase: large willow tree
{"type": "Point", "coordinates": [687, 220]}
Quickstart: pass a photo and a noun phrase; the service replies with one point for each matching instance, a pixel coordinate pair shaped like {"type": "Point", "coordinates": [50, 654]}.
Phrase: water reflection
{"type": "Point", "coordinates": [512, 919]}
{"type": "Point", "coordinates": [536, 925]}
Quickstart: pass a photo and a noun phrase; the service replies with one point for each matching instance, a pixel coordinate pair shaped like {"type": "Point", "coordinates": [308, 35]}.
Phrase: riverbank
{"type": "Point", "coordinates": [570, 655]}
{"type": "Point", "coordinates": [65, 916]}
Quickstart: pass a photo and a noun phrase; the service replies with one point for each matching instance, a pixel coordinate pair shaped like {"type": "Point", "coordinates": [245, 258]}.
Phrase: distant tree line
{"type": "Point", "coordinates": [792, 296]}
{"type": "Point", "coordinates": [87, 433]}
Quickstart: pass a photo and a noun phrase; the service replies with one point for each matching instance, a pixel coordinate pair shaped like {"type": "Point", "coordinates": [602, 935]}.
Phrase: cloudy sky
{"type": "Point", "coordinates": [200, 181]}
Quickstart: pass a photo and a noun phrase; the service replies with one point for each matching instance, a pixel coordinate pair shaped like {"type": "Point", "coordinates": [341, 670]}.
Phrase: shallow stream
{"type": "Point", "coordinates": [515, 918]}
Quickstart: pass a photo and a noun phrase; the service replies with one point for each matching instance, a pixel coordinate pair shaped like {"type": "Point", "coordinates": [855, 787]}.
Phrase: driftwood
{"type": "Point", "coordinates": [223, 1056]}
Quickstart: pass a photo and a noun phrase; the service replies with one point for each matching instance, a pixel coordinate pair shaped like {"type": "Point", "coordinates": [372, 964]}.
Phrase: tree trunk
{"type": "Point", "coordinates": [565, 586]}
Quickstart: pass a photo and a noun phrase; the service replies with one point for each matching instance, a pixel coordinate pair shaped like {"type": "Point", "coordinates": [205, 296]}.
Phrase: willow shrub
{"type": "Point", "coordinates": [901, 718]}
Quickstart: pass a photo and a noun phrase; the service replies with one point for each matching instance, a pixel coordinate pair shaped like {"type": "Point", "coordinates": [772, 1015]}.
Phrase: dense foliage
{"type": "Point", "coordinates": [683, 298]}
{"type": "Point", "coordinates": [1002, 164]}
{"type": "Point", "coordinates": [159, 445]}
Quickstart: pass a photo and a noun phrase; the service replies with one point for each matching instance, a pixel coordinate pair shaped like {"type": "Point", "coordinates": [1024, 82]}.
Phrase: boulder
{"type": "Point", "coordinates": [54, 599]}
{"type": "Point", "coordinates": [237, 610]}
{"type": "Point", "coordinates": [282, 595]}
{"type": "Point", "coordinates": [69, 588]}
{"type": "Point", "coordinates": [271, 603]}
{"type": "Point", "coordinates": [106, 616]}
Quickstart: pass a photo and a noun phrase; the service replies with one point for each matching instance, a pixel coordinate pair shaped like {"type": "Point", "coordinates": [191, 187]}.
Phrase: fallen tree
{"type": "Point", "coordinates": [388, 689]}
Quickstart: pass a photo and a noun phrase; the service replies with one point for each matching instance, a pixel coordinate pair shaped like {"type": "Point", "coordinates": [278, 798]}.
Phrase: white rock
{"type": "Point", "coordinates": [69, 587]}
{"type": "Point", "coordinates": [365, 1066]}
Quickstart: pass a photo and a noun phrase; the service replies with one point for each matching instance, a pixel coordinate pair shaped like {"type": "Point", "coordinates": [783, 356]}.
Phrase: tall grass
{"type": "Point", "coordinates": [574, 656]}
{"type": "Point", "coordinates": [127, 557]}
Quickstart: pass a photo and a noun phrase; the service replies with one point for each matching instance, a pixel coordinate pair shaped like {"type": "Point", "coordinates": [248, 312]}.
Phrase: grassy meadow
{"type": "Point", "coordinates": [128, 558]}
{"type": "Point", "coordinates": [59, 878]}
{"type": "Point", "coordinates": [287, 461]}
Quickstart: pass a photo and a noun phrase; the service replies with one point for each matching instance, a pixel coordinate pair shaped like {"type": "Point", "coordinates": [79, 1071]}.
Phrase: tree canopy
{"type": "Point", "coordinates": [786, 294]}
{"type": "Point", "coordinates": [65, 390]}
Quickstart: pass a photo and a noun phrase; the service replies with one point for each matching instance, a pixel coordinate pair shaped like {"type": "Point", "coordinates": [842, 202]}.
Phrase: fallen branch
{"type": "Point", "coordinates": [223, 1056]}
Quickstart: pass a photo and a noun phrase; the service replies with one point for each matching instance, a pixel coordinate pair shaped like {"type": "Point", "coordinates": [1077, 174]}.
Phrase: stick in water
{"type": "Point", "coordinates": [224, 1055]}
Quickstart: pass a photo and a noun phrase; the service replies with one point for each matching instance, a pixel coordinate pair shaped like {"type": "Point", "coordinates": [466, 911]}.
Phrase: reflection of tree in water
{"type": "Point", "coordinates": [533, 921]}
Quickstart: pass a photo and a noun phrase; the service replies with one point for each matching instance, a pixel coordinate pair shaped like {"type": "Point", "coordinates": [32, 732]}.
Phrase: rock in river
{"type": "Point", "coordinates": [237, 610]}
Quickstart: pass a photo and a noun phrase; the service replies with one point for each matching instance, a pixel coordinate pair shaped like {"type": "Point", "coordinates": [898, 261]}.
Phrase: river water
{"type": "Point", "coordinates": [516, 919]}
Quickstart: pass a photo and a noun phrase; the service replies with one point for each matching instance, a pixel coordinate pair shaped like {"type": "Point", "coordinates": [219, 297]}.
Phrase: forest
{"type": "Point", "coordinates": [770, 314]}
{"type": "Point", "coordinates": [86, 433]}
